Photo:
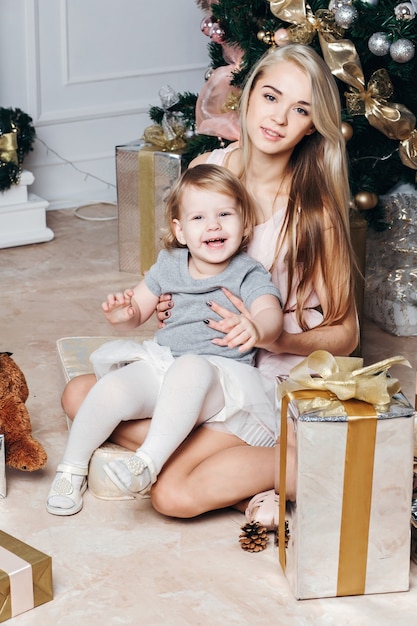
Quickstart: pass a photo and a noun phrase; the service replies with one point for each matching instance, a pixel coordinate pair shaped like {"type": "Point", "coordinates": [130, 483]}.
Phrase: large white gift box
{"type": "Point", "coordinates": [347, 532]}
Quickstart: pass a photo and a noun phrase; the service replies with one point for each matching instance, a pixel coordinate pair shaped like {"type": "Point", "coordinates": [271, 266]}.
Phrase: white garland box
{"type": "Point", "coordinates": [23, 215]}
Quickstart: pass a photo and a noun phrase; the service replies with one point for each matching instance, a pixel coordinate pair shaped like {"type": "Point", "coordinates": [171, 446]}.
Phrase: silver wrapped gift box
{"type": "Point", "coordinates": [347, 531]}
{"type": "Point", "coordinates": [145, 176]}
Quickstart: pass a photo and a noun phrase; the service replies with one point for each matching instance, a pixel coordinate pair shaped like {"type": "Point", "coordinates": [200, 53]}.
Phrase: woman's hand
{"type": "Point", "coordinates": [163, 308]}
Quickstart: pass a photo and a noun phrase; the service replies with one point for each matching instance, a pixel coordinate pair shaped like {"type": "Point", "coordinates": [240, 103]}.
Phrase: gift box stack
{"type": "Point", "coordinates": [25, 577]}
{"type": "Point", "coordinates": [347, 530]}
{"type": "Point", "coordinates": [145, 176]}
{"type": "Point", "coordinates": [391, 267]}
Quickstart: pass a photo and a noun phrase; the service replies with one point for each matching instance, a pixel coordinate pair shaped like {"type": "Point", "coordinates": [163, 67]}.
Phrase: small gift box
{"type": "Point", "coordinates": [2, 468]}
{"type": "Point", "coordinates": [145, 175]}
{"type": "Point", "coordinates": [347, 530]}
{"type": "Point", "coordinates": [25, 577]}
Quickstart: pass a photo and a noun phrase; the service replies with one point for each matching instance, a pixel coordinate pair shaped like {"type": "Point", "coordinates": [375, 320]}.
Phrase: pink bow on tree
{"type": "Point", "coordinates": [217, 104]}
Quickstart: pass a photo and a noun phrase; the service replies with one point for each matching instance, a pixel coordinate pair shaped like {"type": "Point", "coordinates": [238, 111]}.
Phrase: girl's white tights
{"type": "Point", "coordinates": [189, 394]}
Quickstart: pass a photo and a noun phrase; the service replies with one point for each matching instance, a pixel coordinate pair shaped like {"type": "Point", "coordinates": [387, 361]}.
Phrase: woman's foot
{"type": "Point", "coordinates": [263, 508]}
{"type": "Point", "coordinates": [134, 475]}
{"type": "Point", "coordinates": [65, 494]}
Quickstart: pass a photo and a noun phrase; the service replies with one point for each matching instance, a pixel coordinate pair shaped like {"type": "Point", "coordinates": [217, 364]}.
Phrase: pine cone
{"type": "Point", "coordinates": [253, 537]}
{"type": "Point", "coordinates": [287, 535]}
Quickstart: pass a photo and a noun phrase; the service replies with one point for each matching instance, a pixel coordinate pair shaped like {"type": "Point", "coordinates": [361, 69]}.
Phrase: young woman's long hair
{"type": "Point", "coordinates": [316, 227]}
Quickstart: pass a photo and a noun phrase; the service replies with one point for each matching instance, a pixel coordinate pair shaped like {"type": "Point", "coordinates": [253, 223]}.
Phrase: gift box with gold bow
{"type": "Point", "coordinates": [347, 529]}
{"type": "Point", "coordinates": [25, 577]}
{"type": "Point", "coordinates": [145, 174]}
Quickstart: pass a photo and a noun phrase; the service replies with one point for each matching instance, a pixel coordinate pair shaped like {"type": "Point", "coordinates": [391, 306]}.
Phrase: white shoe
{"type": "Point", "coordinates": [64, 491]}
{"type": "Point", "coordinates": [134, 475]}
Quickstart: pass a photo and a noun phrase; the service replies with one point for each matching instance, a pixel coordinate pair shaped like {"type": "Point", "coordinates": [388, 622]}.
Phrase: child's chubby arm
{"type": "Point", "coordinates": [257, 327]}
{"type": "Point", "coordinates": [131, 308]}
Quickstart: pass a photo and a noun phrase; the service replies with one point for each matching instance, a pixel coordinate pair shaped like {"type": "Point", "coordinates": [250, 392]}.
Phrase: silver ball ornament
{"type": "Point", "coordinates": [404, 12]}
{"type": "Point", "coordinates": [345, 15]}
{"type": "Point", "coordinates": [379, 44]}
{"type": "Point", "coordinates": [402, 50]}
{"type": "Point", "coordinates": [372, 3]}
{"type": "Point", "coordinates": [336, 4]}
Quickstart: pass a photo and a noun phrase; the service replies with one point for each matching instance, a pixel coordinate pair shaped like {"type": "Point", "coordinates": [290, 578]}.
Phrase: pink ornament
{"type": "Point", "coordinates": [281, 37]}
{"type": "Point", "coordinates": [206, 25]}
{"type": "Point", "coordinates": [216, 33]}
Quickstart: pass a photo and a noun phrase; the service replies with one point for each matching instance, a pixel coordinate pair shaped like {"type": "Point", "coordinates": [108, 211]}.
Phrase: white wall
{"type": "Point", "coordinates": [87, 71]}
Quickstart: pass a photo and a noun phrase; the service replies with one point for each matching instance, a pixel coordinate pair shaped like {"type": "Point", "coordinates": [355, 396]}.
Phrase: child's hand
{"type": "Point", "coordinates": [119, 308]}
{"type": "Point", "coordinates": [240, 331]}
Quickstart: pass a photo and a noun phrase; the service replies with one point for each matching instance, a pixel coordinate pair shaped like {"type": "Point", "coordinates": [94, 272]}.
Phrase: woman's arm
{"type": "Point", "coordinates": [338, 339]}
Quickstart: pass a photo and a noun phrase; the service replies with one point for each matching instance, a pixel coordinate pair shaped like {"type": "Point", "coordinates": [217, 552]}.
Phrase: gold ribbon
{"type": "Point", "coordinates": [357, 489]}
{"type": "Point", "coordinates": [305, 23]}
{"type": "Point", "coordinates": [8, 147]}
{"type": "Point", "coordinates": [392, 119]}
{"type": "Point", "coordinates": [146, 199]}
{"type": "Point", "coordinates": [156, 136]}
{"type": "Point", "coordinates": [345, 378]}
{"type": "Point", "coordinates": [408, 151]}
{"type": "Point", "coordinates": [318, 382]}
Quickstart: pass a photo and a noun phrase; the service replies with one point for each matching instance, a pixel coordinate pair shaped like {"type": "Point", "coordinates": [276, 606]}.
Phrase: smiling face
{"type": "Point", "coordinates": [279, 109]}
{"type": "Point", "coordinates": [211, 226]}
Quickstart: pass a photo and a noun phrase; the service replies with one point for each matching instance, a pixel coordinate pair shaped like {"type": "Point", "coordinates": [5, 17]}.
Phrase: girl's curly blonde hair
{"type": "Point", "coordinates": [214, 178]}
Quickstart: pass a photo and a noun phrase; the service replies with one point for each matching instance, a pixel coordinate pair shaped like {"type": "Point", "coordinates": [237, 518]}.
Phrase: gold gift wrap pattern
{"type": "Point", "coordinates": [145, 176]}
{"type": "Point", "coordinates": [349, 525]}
{"type": "Point", "coordinates": [25, 577]}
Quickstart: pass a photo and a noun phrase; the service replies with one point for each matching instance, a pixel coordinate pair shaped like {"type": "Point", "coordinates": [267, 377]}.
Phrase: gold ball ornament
{"type": "Point", "coordinates": [266, 36]}
{"type": "Point", "coordinates": [365, 200]}
{"type": "Point", "coordinates": [347, 131]}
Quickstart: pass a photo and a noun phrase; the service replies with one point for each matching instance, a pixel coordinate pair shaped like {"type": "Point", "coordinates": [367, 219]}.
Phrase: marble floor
{"type": "Point", "coordinates": [120, 563]}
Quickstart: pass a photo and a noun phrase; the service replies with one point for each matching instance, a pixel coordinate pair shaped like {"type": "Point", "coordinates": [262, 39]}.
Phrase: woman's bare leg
{"type": "Point", "coordinates": [75, 392]}
{"type": "Point", "coordinates": [211, 470]}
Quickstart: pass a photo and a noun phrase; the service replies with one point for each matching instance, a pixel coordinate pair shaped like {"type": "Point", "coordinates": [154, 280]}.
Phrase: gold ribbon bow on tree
{"type": "Point", "coordinates": [345, 378]}
{"type": "Point", "coordinates": [170, 135]}
{"type": "Point", "coordinates": [305, 23]}
{"type": "Point", "coordinates": [391, 118]}
{"type": "Point", "coordinates": [8, 147]}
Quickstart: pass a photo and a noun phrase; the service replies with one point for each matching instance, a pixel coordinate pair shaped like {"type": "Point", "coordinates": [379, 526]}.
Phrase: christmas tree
{"type": "Point", "coordinates": [378, 87]}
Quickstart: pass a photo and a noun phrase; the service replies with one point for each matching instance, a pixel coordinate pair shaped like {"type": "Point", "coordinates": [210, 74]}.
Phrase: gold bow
{"type": "Point", "coordinates": [345, 377]}
{"type": "Point", "coordinates": [156, 136]}
{"type": "Point", "coordinates": [392, 119]}
{"type": "Point", "coordinates": [408, 150]}
{"type": "Point", "coordinates": [305, 23]}
{"type": "Point", "coordinates": [8, 147]}
{"type": "Point", "coordinates": [170, 135]}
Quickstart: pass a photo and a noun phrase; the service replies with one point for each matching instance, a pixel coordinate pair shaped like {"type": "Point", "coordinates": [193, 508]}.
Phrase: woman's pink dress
{"type": "Point", "coordinates": [262, 248]}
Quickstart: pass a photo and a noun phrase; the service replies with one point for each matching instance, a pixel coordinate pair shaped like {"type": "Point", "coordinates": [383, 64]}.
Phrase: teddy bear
{"type": "Point", "coordinates": [23, 452]}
